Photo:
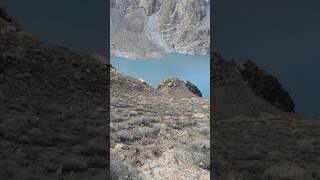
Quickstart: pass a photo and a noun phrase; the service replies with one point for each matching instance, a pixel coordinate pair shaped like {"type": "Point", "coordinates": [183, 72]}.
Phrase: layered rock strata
{"type": "Point", "coordinates": [144, 29]}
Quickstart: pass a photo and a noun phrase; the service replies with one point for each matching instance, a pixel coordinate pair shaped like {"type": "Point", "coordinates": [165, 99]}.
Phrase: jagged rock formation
{"type": "Point", "coordinates": [266, 86]}
{"type": "Point", "coordinates": [156, 132]}
{"type": "Point", "coordinates": [247, 89]}
{"type": "Point", "coordinates": [53, 117]}
{"type": "Point", "coordinates": [177, 87]}
{"type": "Point", "coordinates": [142, 29]}
{"type": "Point", "coordinates": [233, 95]}
{"type": "Point", "coordinates": [256, 136]}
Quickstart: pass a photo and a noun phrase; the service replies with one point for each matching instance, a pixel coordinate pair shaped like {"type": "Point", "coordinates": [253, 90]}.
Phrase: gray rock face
{"type": "Point", "coordinates": [142, 29]}
{"type": "Point", "coordinates": [185, 25]}
{"type": "Point", "coordinates": [128, 6]}
{"type": "Point", "coordinates": [179, 88]}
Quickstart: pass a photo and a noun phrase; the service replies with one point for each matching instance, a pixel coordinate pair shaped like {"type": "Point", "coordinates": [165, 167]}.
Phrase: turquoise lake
{"type": "Point", "coordinates": [195, 69]}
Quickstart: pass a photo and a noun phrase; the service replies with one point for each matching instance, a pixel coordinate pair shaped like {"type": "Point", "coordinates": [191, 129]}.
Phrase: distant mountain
{"type": "Point", "coordinates": [142, 29]}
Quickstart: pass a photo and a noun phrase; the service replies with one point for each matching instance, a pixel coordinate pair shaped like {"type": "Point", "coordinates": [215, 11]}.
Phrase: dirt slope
{"type": "Point", "coordinates": [52, 104]}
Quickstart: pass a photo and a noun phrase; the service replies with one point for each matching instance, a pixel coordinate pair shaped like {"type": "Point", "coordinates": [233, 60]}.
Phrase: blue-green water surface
{"type": "Point", "coordinates": [195, 69]}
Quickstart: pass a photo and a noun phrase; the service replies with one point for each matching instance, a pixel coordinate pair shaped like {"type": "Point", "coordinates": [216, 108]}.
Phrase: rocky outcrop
{"type": "Point", "coordinates": [232, 95]}
{"type": "Point", "coordinates": [179, 88]}
{"type": "Point", "coordinates": [194, 89]}
{"type": "Point", "coordinates": [255, 134]}
{"type": "Point", "coordinates": [266, 86]}
{"type": "Point", "coordinates": [143, 29]}
{"type": "Point", "coordinates": [246, 89]}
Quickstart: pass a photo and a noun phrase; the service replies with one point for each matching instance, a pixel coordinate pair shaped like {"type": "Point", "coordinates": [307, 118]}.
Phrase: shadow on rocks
{"type": "Point", "coordinates": [120, 171]}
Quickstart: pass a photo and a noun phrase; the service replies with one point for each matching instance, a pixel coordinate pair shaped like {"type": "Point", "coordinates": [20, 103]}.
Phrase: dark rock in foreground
{"type": "Point", "coordinates": [53, 117]}
{"type": "Point", "coordinates": [246, 90]}
{"type": "Point", "coordinates": [266, 86]}
{"type": "Point", "coordinates": [255, 134]}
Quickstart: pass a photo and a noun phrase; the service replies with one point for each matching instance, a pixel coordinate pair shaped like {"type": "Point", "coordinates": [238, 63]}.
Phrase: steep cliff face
{"type": "Point", "coordinates": [185, 25]}
{"type": "Point", "coordinates": [142, 29]}
{"type": "Point", "coordinates": [126, 6]}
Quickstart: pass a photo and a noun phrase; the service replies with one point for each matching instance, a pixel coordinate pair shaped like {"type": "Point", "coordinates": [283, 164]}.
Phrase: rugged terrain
{"type": "Point", "coordinates": [255, 132]}
{"type": "Point", "coordinates": [54, 118]}
{"type": "Point", "coordinates": [159, 133]}
{"type": "Point", "coordinates": [53, 115]}
{"type": "Point", "coordinates": [143, 29]}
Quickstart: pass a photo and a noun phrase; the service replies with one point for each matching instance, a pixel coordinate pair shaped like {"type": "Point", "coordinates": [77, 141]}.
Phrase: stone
{"type": "Point", "coordinates": [178, 87]}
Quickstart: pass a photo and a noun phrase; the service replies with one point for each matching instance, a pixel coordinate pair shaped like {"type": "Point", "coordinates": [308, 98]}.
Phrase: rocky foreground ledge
{"type": "Point", "coordinates": [159, 133]}
{"type": "Point", "coordinates": [256, 133]}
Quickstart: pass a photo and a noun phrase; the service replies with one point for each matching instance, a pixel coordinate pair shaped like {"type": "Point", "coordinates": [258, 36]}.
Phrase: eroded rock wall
{"type": "Point", "coordinates": [143, 29]}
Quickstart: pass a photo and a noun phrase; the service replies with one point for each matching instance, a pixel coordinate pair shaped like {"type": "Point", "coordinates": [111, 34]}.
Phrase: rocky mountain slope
{"type": "Point", "coordinates": [142, 29]}
{"type": "Point", "coordinates": [255, 132]}
{"type": "Point", "coordinates": [54, 119]}
{"type": "Point", "coordinates": [159, 133]}
{"type": "Point", "coordinates": [53, 114]}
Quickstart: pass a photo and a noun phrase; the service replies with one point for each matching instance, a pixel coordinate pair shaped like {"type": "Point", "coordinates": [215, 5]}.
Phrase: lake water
{"type": "Point", "coordinates": [195, 69]}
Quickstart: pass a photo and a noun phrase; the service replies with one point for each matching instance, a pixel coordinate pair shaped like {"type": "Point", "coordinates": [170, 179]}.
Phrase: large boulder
{"type": "Point", "coordinates": [175, 86]}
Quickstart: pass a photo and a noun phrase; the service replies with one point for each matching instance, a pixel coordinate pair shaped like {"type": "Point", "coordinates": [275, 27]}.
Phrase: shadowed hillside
{"type": "Point", "coordinates": [53, 109]}
{"type": "Point", "coordinates": [256, 133]}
